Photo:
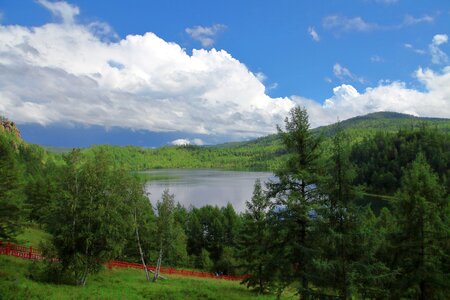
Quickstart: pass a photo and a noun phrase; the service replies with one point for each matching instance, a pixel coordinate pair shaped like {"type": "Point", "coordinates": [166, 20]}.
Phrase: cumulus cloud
{"type": "Point", "coordinates": [185, 142]}
{"type": "Point", "coordinates": [58, 73]}
{"type": "Point", "coordinates": [314, 35]}
{"type": "Point", "coordinates": [347, 102]}
{"type": "Point", "coordinates": [344, 74]}
{"type": "Point", "coordinates": [437, 55]}
{"type": "Point", "coordinates": [140, 82]}
{"type": "Point", "coordinates": [62, 10]}
{"type": "Point", "coordinates": [205, 35]}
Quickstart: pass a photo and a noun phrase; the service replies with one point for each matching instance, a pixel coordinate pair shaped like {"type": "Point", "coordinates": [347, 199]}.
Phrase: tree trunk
{"type": "Point", "coordinates": [140, 248]}
{"type": "Point", "coordinates": [158, 265]}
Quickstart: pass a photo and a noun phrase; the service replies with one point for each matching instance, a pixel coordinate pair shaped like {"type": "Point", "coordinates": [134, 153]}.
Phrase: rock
{"type": "Point", "coordinates": [9, 126]}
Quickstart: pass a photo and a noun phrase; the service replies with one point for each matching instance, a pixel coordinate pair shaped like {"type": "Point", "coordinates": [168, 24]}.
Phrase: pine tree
{"type": "Point", "coordinates": [423, 231]}
{"type": "Point", "coordinates": [337, 222]}
{"type": "Point", "coordinates": [295, 195]}
{"type": "Point", "coordinates": [254, 239]}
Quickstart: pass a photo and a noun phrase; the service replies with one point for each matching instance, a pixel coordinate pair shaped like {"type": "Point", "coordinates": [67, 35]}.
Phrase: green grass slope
{"type": "Point", "coordinates": [15, 283]}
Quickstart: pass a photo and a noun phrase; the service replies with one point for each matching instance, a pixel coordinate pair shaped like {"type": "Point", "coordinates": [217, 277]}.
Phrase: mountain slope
{"type": "Point", "coordinates": [358, 127]}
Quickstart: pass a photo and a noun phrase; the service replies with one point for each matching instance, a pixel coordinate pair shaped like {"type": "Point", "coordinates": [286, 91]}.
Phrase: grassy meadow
{"type": "Point", "coordinates": [15, 283]}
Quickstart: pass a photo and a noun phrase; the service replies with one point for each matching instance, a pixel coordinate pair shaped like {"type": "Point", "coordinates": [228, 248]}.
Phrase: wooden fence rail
{"type": "Point", "coordinates": [8, 248]}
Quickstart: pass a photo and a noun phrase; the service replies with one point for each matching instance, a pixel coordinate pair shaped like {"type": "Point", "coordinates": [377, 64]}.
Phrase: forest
{"type": "Point", "coordinates": [314, 229]}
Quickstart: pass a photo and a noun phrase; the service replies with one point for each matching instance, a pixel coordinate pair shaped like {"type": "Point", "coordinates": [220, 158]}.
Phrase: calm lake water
{"type": "Point", "coordinates": [201, 187]}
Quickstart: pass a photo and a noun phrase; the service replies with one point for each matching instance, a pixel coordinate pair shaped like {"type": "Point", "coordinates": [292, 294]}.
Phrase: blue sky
{"type": "Point", "coordinates": [212, 71]}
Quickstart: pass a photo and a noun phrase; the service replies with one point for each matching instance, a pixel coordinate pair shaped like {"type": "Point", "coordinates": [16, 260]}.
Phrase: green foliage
{"type": "Point", "coordinates": [165, 233]}
{"type": "Point", "coordinates": [311, 234]}
{"type": "Point", "coordinates": [295, 192]}
{"type": "Point", "coordinates": [380, 159]}
{"type": "Point", "coordinates": [254, 238]}
{"type": "Point", "coordinates": [421, 234]}
{"type": "Point", "coordinates": [12, 210]}
{"type": "Point", "coordinates": [93, 216]}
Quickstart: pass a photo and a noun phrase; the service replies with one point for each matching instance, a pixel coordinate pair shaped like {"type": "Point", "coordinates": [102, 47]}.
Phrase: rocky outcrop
{"type": "Point", "coordinates": [9, 126]}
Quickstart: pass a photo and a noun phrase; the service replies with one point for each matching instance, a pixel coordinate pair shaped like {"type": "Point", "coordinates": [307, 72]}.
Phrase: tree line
{"type": "Point", "coordinates": [307, 230]}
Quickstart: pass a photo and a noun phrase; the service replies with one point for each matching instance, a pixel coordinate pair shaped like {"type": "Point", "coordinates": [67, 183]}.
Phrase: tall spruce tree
{"type": "Point", "coordinates": [295, 194]}
{"type": "Point", "coordinates": [337, 223]}
{"type": "Point", "coordinates": [254, 240]}
{"type": "Point", "coordinates": [423, 232]}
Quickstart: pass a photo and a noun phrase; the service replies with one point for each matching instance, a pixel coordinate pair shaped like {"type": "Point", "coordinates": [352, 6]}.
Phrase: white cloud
{"type": "Point", "coordinates": [418, 51]}
{"type": "Point", "coordinates": [341, 24]}
{"type": "Point", "coordinates": [344, 24]}
{"type": "Point", "coordinates": [273, 86]}
{"type": "Point", "coordinates": [139, 82]}
{"type": "Point", "coordinates": [261, 76]}
{"type": "Point", "coordinates": [344, 74]}
{"type": "Point", "coordinates": [314, 35]}
{"type": "Point", "coordinates": [205, 35]}
{"type": "Point", "coordinates": [61, 9]}
{"type": "Point", "coordinates": [347, 102]}
{"type": "Point", "coordinates": [437, 55]}
{"type": "Point", "coordinates": [376, 58]}
{"type": "Point", "coordinates": [185, 142]}
{"type": "Point", "coordinates": [143, 82]}
{"type": "Point", "coordinates": [180, 142]}
{"type": "Point", "coordinates": [411, 20]}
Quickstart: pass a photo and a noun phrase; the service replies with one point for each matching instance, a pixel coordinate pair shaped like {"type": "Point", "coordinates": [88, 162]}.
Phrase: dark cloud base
{"type": "Point", "coordinates": [84, 136]}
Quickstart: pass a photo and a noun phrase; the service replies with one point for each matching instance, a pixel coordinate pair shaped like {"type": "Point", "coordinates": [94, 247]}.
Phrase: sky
{"type": "Point", "coordinates": [153, 73]}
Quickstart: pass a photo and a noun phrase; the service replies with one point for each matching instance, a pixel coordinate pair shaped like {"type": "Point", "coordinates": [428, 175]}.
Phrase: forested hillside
{"type": "Point", "coordinates": [262, 154]}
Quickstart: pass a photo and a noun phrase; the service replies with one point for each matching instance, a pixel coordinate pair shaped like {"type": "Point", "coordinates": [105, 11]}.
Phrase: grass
{"type": "Point", "coordinates": [32, 235]}
{"type": "Point", "coordinates": [117, 284]}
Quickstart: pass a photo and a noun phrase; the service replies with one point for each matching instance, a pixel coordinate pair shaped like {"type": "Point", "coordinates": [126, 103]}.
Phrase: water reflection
{"type": "Point", "coordinates": [202, 187]}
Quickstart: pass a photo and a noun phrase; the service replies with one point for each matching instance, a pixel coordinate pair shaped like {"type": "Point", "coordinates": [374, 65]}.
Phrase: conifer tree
{"type": "Point", "coordinates": [423, 232]}
{"type": "Point", "coordinates": [295, 195]}
{"type": "Point", "coordinates": [337, 223]}
{"type": "Point", "coordinates": [254, 240]}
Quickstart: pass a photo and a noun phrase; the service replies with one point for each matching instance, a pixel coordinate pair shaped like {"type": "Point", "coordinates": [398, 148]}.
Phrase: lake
{"type": "Point", "coordinates": [201, 187]}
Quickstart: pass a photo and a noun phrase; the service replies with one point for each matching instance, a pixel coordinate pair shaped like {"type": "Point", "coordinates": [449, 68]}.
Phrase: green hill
{"type": "Point", "coordinates": [388, 122]}
{"type": "Point", "coordinates": [359, 126]}
{"type": "Point", "coordinates": [261, 154]}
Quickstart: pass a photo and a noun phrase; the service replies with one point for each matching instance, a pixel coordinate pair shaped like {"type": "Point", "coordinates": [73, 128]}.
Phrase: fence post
{"type": "Point", "coordinates": [31, 251]}
{"type": "Point", "coordinates": [8, 248]}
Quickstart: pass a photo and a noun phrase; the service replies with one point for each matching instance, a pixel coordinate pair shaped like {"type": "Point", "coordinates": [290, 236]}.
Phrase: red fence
{"type": "Point", "coordinates": [122, 264]}
{"type": "Point", "coordinates": [7, 248]}
{"type": "Point", "coordinates": [20, 251]}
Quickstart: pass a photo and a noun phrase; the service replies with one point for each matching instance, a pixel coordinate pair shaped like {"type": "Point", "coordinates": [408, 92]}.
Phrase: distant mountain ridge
{"type": "Point", "coordinates": [388, 121]}
{"type": "Point", "coordinates": [384, 121]}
